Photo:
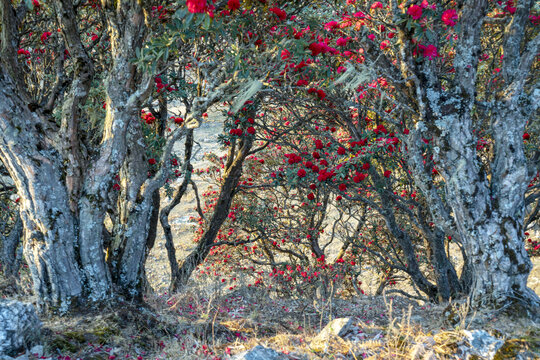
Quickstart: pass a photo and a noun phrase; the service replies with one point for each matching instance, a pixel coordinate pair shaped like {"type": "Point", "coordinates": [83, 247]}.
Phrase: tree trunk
{"type": "Point", "coordinates": [489, 213]}
{"type": "Point", "coordinates": [164, 214]}
{"type": "Point", "coordinates": [64, 191]}
{"type": "Point", "coordinates": [221, 211]}
{"type": "Point", "coordinates": [49, 225]}
{"type": "Point", "coordinates": [128, 248]}
{"type": "Point", "coordinates": [448, 285]}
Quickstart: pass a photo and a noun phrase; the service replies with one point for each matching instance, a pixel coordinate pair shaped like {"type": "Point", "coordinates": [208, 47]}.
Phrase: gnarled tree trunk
{"type": "Point", "coordinates": [65, 191]}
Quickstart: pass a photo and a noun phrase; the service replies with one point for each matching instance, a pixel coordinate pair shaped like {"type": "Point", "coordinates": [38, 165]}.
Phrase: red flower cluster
{"type": "Point", "coordinates": [148, 117]}
{"type": "Point", "coordinates": [45, 36]}
{"type": "Point", "coordinates": [177, 120]}
{"type": "Point", "coordinates": [237, 132]}
{"type": "Point", "coordinates": [281, 14]}
{"type": "Point", "coordinates": [197, 6]}
{"type": "Point", "coordinates": [23, 52]}
{"type": "Point", "coordinates": [233, 4]}
{"type": "Point", "coordinates": [415, 12]}
{"type": "Point", "coordinates": [320, 93]}
{"type": "Point", "coordinates": [449, 17]}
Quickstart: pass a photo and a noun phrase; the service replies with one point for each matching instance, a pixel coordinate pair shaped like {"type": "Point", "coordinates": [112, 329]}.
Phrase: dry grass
{"type": "Point", "coordinates": [384, 327]}
{"type": "Point", "coordinates": [199, 324]}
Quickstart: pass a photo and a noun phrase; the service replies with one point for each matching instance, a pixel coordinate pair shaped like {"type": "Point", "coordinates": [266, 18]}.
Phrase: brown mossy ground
{"type": "Point", "coordinates": [105, 333]}
{"type": "Point", "coordinates": [190, 326]}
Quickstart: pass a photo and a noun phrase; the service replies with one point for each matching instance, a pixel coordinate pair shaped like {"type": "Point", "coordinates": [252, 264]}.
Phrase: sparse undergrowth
{"type": "Point", "coordinates": [197, 325]}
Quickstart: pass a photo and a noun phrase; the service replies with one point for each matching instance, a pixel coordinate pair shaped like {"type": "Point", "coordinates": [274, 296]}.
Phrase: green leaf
{"type": "Point", "coordinates": [207, 22]}
{"type": "Point", "coordinates": [187, 21]}
{"type": "Point", "coordinates": [180, 14]}
{"type": "Point", "coordinates": [29, 4]}
{"type": "Point", "coordinates": [166, 54]}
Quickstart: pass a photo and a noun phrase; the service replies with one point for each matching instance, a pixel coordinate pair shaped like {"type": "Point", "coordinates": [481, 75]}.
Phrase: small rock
{"type": "Point", "coordinates": [418, 351]}
{"type": "Point", "coordinates": [338, 327]}
{"type": "Point", "coordinates": [260, 353]}
{"type": "Point", "coordinates": [430, 355]}
{"type": "Point", "coordinates": [37, 350]}
{"type": "Point", "coordinates": [481, 344]}
{"type": "Point", "coordinates": [423, 348]}
{"type": "Point", "coordinates": [20, 327]}
{"type": "Point", "coordinates": [427, 340]}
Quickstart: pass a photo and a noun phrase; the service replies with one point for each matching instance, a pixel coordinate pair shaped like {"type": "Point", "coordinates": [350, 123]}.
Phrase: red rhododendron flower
{"type": "Point", "coordinates": [282, 15]}
{"type": "Point", "coordinates": [430, 52]}
{"type": "Point", "coordinates": [449, 17]}
{"type": "Point", "coordinates": [526, 136]}
{"type": "Point", "coordinates": [196, 6]}
{"type": "Point", "coordinates": [341, 150]}
{"type": "Point", "coordinates": [415, 12]}
{"type": "Point", "coordinates": [387, 173]}
{"type": "Point", "coordinates": [285, 54]}
{"type": "Point", "coordinates": [510, 7]}
{"type": "Point", "coordinates": [331, 25]}
{"type": "Point", "coordinates": [233, 4]}
{"type": "Point", "coordinates": [342, 41]}
{"type": "Point", "coordinates": [23, 52]}
{"type": "Point", "coordinates": [316, 49]}
{"type": "Point", "coordinates": [342, 187]}
{"type": "Point", "coordinates": [45, 36]}
{"type": "Point", "coordinates": [311, 196]}
{"type": "Point", "coordinates": [301, 173]}
{"type": "Point", "coordinates": [152, 161]}
{"type": "Point", "coordinates": [250, 130]}
{"type": "Point", "coordinates": [376, 5]}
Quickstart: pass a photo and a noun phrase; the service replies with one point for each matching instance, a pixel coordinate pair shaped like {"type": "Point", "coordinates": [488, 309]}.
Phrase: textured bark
{"type": "Point", "coordinates": [164, 214]}
{"type": "Point", "coordinates": [10, 259]}
{"type": "Point", "coordinates": [64, 191]}
{"type": "Point", "coordinates": [448, 284]}
{"type": "Point", "coordinates": [74, 99]}
{"type": "Point", "coordinates": [49, 226]}
{"type": "Point", "coordinates": [488, 211]}
{"type": "Point", "coordinates": [128, 249]}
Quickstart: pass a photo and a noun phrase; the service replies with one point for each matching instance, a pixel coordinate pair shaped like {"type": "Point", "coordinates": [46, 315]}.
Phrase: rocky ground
{"type": "Point", "coordinates": [192, 325]}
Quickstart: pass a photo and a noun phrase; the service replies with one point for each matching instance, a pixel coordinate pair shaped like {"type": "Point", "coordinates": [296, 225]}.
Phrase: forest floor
{"type": "Point", "coordinates": [209, 321]}
{"type": "Point", "coordinates": [196, 324]}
